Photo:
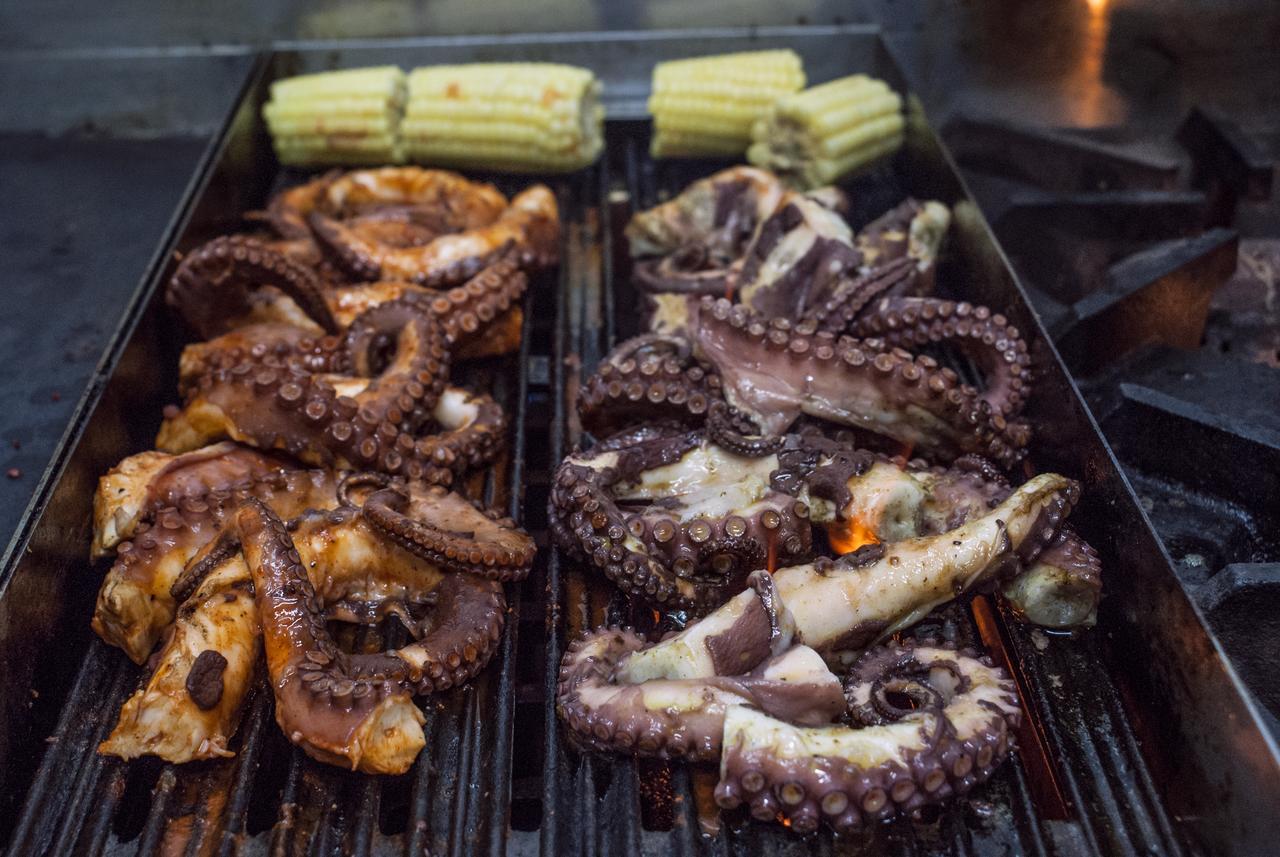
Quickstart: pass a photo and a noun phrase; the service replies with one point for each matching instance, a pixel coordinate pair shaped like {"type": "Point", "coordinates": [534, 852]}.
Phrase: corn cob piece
{"type": "Point", "coordinates": [338, 117]}
{"type": "Point", "coordinates": [814, 137]}
{"type": "Point", "coordinates": [517, 117]}
{"type": "Point", "coordinates": [707, 105]}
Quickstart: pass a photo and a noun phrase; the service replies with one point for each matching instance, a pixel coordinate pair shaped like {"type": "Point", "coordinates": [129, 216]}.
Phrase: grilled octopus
{"type": "Point", "coordinates": [751, 684]}
{"type": "Point", "coordinates": [675, 519]}
{"type": "Point", "coordinates": [343, 243]}
{"type": "Point", "coordinates": [419, 553]}
{"type": "Point", "coordinates": [796, 295]}
{"type": "Point", "coordinates": [375, 398]}
{"type": "Point", "coordinates": [788, 411]}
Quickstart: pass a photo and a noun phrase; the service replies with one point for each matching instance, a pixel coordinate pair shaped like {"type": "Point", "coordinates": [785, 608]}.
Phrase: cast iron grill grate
{"type": "Point", "coordinates": [497, 775]}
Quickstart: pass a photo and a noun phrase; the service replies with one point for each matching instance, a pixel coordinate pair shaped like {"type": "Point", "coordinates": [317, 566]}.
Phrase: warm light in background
{"type": "Point", "coordinates": [1097, 6]}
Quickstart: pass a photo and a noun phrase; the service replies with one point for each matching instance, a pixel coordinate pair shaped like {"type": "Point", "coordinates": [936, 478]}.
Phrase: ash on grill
{"type": "Point", "coordinates": [1156, 267]}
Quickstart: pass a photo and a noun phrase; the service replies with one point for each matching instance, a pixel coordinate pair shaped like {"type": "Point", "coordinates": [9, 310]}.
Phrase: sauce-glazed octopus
{"type": "Point", "coordinates": [419, 553]}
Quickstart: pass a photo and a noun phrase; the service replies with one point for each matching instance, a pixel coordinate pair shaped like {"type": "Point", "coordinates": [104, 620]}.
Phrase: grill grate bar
{"type": "Point", "coordinates": [247, 762]}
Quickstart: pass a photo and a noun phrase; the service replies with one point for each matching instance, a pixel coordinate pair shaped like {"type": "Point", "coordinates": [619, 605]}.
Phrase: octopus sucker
{"type": "Point", "coordinates": [158, 511]}
{"type": "Point", "coordinates": [890, 760]}
{"type": "Point", "coordinates": [352, 421]}
{"type": "Point", "coordinates": [530, 223]}
{"type": "Point", "coordinates": [212, 285]}
{"type": "Point", "coordinates": [357, 709]}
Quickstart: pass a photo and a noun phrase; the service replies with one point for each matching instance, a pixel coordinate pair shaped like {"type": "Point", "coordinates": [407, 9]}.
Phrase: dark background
{"type": "Point", "coordinates": [106, 107]}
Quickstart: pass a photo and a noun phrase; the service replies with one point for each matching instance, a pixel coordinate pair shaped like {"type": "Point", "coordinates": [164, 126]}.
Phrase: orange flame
{"type": "Point", "coordinates": [847, 536]}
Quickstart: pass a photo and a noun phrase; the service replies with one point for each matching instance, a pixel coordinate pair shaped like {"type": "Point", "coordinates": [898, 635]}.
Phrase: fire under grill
{"type": "Point", "coordinates": [1103, 767]}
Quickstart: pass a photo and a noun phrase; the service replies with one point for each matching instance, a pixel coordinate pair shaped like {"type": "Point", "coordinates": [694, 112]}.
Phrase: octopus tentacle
{"type": "Point", "coordinates": [449, 531]}
{"type": "Point", "coordinates": [158, 511]}
{"type": "Point", "coordinates": [212, 284]}
{"type": "Point", "coordinates": [350, 422]}
{"type": "Point", "coordinates": [776, 370]}
{"type": "Point", "coordinates": [894, 761]}
{"type": "Point", "coordinates": [737, 432]}
{"type": "Point", "coordinates": [468, 430]}
{"type": "Point", "coordinates": [530, 222]}
{"type": "Point", "coordinates": [851, 297]}
{"type": "Point", "coordinates": [468, 312]}
{"type": "Point", "coordinates": [995, 346]}
{"type": "Point", "coordinates": [370, 725]}
{"type": "Point", "coordinates": [647, 379]}
{"type": "Point", "coordinates": [1062, 586]}
{"type": "Point", "coordinates": [287, 211]}
{"type": "Point", "coordinates": [692, 552]}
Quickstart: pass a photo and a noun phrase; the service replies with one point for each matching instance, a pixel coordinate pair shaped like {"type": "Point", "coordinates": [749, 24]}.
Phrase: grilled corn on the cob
{"type": "Point", "coordinates": [707, 105]}
{"type": "Point", "coordinates": [338, 117]}
{"type": "Point", "coordinates": [507, 116]}
{"type": "Point", "coordinates": [815, 136]}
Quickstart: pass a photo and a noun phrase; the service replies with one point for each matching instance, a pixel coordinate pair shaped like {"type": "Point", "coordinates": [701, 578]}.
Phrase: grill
{"type": "Point", "coordinates": [1168, 322]}
{"type": "Point", "coordinates": [1138, 738]}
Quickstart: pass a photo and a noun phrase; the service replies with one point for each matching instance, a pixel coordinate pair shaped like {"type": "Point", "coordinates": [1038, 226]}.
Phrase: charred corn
{"type": "Point", "coordinates": [816, 136]}
{"type": "Point", "coordinates": [337, 117]}
{"type": "Point", "coordinates": [707, 105]}
{"type": "Point", "coordinates": [519, 117]}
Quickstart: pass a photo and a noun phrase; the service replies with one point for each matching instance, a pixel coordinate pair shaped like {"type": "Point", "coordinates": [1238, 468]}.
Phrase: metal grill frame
{"type": "Point", "coordinates": [1143, 741]}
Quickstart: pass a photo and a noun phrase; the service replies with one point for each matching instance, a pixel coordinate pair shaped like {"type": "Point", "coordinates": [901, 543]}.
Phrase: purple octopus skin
{"type": "Point", "coordinates": [889, 760]}
{"type": "Point", "coordinates": [775, 371]}
{"type": "Point", "coordinates": [836, 608]}
{"type": "Point", "coordinates": [676, 519]}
